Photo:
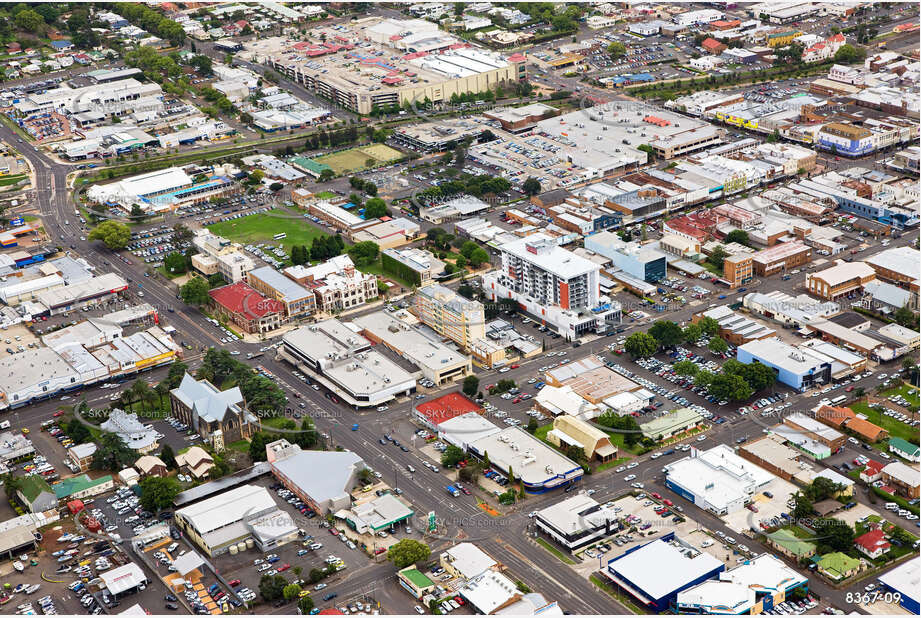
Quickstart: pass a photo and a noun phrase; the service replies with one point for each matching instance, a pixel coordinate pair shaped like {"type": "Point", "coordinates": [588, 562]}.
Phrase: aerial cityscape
{"type": "Point", "coordinates": [426, 308]}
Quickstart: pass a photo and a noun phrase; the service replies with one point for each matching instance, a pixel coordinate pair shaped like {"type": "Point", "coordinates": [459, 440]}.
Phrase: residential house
{"type": "Point", "coordinates": [151, 465]}
{"type": "Point", "coordinates": [905, 449]}
{"type": "Point", "coordinates": [195, 462]}
{"type": "Point", "coordinates": [903, 479]}
{"type": "Point", "coordinates": [838, 566]}
{"type": "Point", "coordinates": [36, 494]}
{"type": "Point", "coordinates": [872, 544]}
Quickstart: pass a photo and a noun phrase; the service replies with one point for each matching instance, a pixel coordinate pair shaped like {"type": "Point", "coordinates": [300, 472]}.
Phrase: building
{"type": "Point", "coordinates": [413, 265]}
{"type": "Point", "coordinates": [132, 432]}
{"type": "Point", "coordinates": [415, 582]}
{"type": "Point", "coordinates": [791, 312]}
{"type": "Point", "coordinates": [33, 375]}
{"type": "Point", "coordinates": [872, 544]}
{"type": "Point", "coordinates": [337, 284]}
{"type": "Point", "coordinates": [797, 367]}
{"type": "Point", "coordinates": [373, 516]}
{"type": "Point", "coordinates": [36, 495]}
{"type": "Point", "coordinates": [841, 417]}
{"type": "Point", "coordinates": [905, 580]}
{"type": "Point", "coordinates": [247, 308]}
{"type": "Point", "coordinates": [490, 593]}
{"type": "Point", "coordinates": [81, 455]}
{"type": "Point", "coordinates": [735, 328]}
{"type": "Point", "coordinates": [81, 487]}
{"type": "Point", "coordinates": [344, 361]}
{"type": "Point", "coordinates": [838, 566]}
{"type": "Point", "coordinates": [573, 432]}
{"type": "Point", "coordinates": [905, 449]}
{"type": "Point", "coordinates": [151, 465]}
{"type": "Point", "coordinates": [738, 269]}
{"type": "Point", "coordinates": [575, 522]}
{"type": "Point", "coordinates": [898, 265]}
{"type": "Point", "coordinates": [437, 362]}
{"type": "Point", "coordinates": [196, 462]}
{"type": "Point", "coordinates": [431, 414]}
{"type": "Point", "coordinates": [753, 587]}
{"type": "Point", "coordinates": [466, 561]}
{"type": "Point", "coordinates": [639, 571]}
{"type": "Point", "coordinates": [162, 191]}
{"type": "Point", "coordinates": [124, 580]}
{"type": "Point", "coordinates": [717, 480]}
{"type": "Point", "coordinates": [903, 479]}
{"type": "Point", "coordinates": [770, 452]}
{"type": "Point", "coordinates": [219, 417]}
{"type": "Point", "coordinates": [450, 315]}
{"type": "Point", "coordinates": [322, 479]}
{"type": "Point", "coordinates": [790, 545]}
{"type": "Point", "coordinates": [843, 280]}
{"type": "Point", "coordinates": [539, 467]}
{"type": "Point", "coordinates": [297, 301]}
{"type": "Point", "coordinates": [810, 428]}
{"type": "Point", "coordinates": [781, 258]}
{"type": "Point", "coordinates": [671, 424]}
{"type": "Point", "coordinates": [243, 513]}
{"type": "Point", "coordinates": [633, 258]}
{"type": "Point", "coordinates": [518, 119]}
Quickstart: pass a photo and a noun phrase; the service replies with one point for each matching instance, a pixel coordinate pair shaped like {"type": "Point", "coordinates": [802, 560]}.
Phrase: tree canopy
{"type": "Point", "coordinates": [114, 234]}
{"type": "Point", "coordinates": [406, 552]}
{"type": "Point", "coordinates": [158, 493]}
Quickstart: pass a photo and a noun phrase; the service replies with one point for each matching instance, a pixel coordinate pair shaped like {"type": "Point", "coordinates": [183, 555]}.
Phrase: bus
{"type": "Point", "coordinates": [279, 236]}
{"type": "Point", "coordinates": [838, 400]}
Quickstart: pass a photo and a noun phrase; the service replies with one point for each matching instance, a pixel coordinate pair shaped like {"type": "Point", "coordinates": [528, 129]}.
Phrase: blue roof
{"type": "Point", "coordinates": [642, 77]}
{"type": "Point", "coordinates": [61, 44]}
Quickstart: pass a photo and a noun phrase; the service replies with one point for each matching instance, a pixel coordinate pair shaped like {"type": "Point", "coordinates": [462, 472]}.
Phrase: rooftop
{"type": "Point", "coordinates": [446, 407]}
{"type": "Point", "coordinates": [241, 298]}
{"type": "Point", "coordinates": [530, 460]}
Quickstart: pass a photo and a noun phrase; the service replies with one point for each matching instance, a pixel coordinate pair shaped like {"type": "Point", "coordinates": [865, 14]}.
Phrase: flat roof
{"type": "Point", "coordinates": [468, 559]}
{"type": "Point", "coordinates": [764, 573]}
{"type": "Point", "coordinates": [448, 406]}
{"type": "Point", "coordinates": [844, 272]}
{"type": "Point", "coordinates": [123, 578]}
{"type": "Point", "coordinates": [288, 289]}
{"type": "Point", "coordinates": [898, 259]}
{"type": "Point", "coordinates": [718, 597]}
{"type": "Point", "coordinates": [643, 567]}
{"type": "Point", "coordinates": [905, 578]}
{"type": "Point", "coordinates": [527, 457]}
{"type": "Point", "coordinates": [409, 342]}
{"type": "Point", "coordinates": [718, 475]}
{"type": "Point", "coordinates": [29, 367]}
{"type": "Point", "coordinates": [546, 253]}
{"type": "Point", "coordinates": [574, 514]}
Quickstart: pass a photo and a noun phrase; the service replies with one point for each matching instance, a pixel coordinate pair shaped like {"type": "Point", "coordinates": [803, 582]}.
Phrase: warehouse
{"type": "Point", "coordinates": [654, 573]}
{"type": "Point", "coordinates": [906, 581]}
{"type": "Point", "coordinates": [717, 480]}
{"type": "Point", "coordinates": [796, 367]}
{"type": "Point", "coordinates": [322, 479]}
{"type": "Point", "coordinates": [238, 515]}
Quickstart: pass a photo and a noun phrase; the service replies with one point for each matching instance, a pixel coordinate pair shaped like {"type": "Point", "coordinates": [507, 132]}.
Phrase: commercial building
{"type": "Point", "coordinates": [450, 315]}
{"type": "Point", "coordinates": [671, 424]}
{"type": "Point", "coordinates": [903, 479]}
{"type": "Point", "coordinates": [811, 429]}
{"type": "Point", "coordinates": [297, 301]}
{"type": "Point", "coordinates": [905, 580]}
{"type": "Point", "coordinates": [235, 516]}
{"type": "Point", "coordinates": [162, 191]}
{"type": "Point", "coordinates": [792, 312]}
{"type": "Point", "coordinates": [518, 119]}
{"type": "Point", "coordinates": [738, 269]}
{"type": "Point", "coordinates": [781, 258]}
{"type": "Point", "coordinates": [539, 467]}
{"type": "Point", "coordinates": [124, 580]}
{"type": "Point", "coordinates": [641, 572]}
{"type": "Point", "coordinates": [375, 515]}
{"type": "Point", "coordinates": [735, 328]}
{"type": "Point", "coordinates": [573, 432]}
{"type": "Point", "coordinates": [344, 362]}
{"type": "Point", "coordinates": [633, 258]}
{"type": "Point", "coordinates": [717, 480]}
{"type": "Point", "coordinates": [898, 265]}
{"type": "Point", "coordinates": [414, 265]}
{"type": "Point", "coordinates": [412, 73]}
{"type": "Point", "coordinates": [438, 136]}
{"type": "Point", "coordinates": [437, 362]}
{"type": "Point", "coordinates": [466, 561]}
{"type": "Point", "coordinates": [247, 308]}
{"type": "Point", "coordinates": [219, 417]}
{"type": "Point", "coordinates": [575, 522]}
{"type": "Point", "coordinates": [841, 417]}
{"type": "Point", "coordinates": [133, 433]}
{"type": "Point", "coordinates": [797, 367]}
{"type": "Point", "coordinates": [843, 280]}
{"type": "Point", "coordinates": [431, 414]}
{"type": "Point", "coordinates": [771, 453]}
{"type": "Point", "coordinates": [322, 479]}
{"type": "Point", "coordinates": [336, 283]}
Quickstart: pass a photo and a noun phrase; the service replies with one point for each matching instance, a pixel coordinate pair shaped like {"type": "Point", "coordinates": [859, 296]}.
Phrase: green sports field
{"type": "Point", "coordinates": [261, 228]}
{"type": "Point", "coordinates": [354, 160]}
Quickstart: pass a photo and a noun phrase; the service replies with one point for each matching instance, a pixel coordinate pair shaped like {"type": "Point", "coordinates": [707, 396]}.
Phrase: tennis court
{"type": "Point", "coordinates": [356, 159]}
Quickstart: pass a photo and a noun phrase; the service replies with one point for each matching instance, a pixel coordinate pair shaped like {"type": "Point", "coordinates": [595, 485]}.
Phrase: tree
{"type": "Point", "coordinates": [364, 253]}
{"type": "Point", "coordinates": [729, 387]}
{"type": "Point", "coordinates": [717, 345]}
{"type": "Point", "coordinates": [158, 493]}
{"type": "Point", "coordinates": [202, 63]}
{"type": "Point", "coordinates": [272, 587]}
{"type": "Point", "coordinates": [195, 292]}
{"type": "Point", "coordinates": [905, 317]}
{"type": "Point", "coordinates": [275, 187]}
{"type": "Point", "coordinates": [848, 54]}
{"type": "Point", "coordinates": [617, 49]}
{"type": "Point", "coordinates": [114, 234]}
{"type": "Point", "coordinates": [834, 533]}
{"type": "Point", "coordinates": [176, 372]}
{"type": "Point", "coordinates": [291, 592]}
{"type": "Point", "coordinates": [407, 552]}
{"type": "Point", "coordinates": [112, 454]}
{"type": "Point", "coordinates": [666, 333]}
{"type": "Point", "coordinates": [532, 425]}
{"type": "Point", "coordinates": [739, 236]}
{"type": "Point", "coordinates": [375, 208]}
{"type": "Point", "coordinates": [452, 456]}
{"type": "Point", "coordinates": [175, 263]}
{"type": "Point", "coordinates": [691, 333]}
{"type": "Point", "coordinates": [641, 345]}
{"type": "Point", "coordinates": [686, 368]}
{"type": "Point", "coordinates": [531, 186]}
{"type": "Point", "coordinates": [326, 175]}
{"type": "Point", "coordinates": [478, 257]}
{"type": "Point", "coordinates": [257, 445]}
{"type": "Point", "coordinates": [802, 506]}
{"type": "Point", "coordinates": [708, 326]}
{"type": "Point", "coordinates": [168, 456]}
{"type": "Point", "coordinates": [471, 385]}
{"type": "Point", "coordinates": [77, 431]}
{"type": "Point", "coordinates": [30, 21]}
{"type": "Point", "coordinates": [305, 605]}
{"type": "Point", "coordinates": [717, 256]}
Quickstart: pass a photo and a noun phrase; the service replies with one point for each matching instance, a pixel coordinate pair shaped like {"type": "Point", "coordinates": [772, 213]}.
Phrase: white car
{"type": "Point", "coordinates": [629, 478]}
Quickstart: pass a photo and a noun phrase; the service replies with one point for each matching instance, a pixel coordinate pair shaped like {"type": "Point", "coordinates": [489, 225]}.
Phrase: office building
{"type": "Point", "coordinates": [716, 480]}
{"type": "Point", "coordinates": [297, 302]}
{"type": "Point", "coordinates": [633, 258]}
{"type": "Point", "coordinates": [247, 308]}
{"type": "Point", "coordinates": [322, 479]}
{"type": "Point", "coordinates": [781, 258]}
{"type": "Point", "coordinates": [575, 522]}
{"type": "Point", "coordinates": [539, 467]}
{"type": "Point", "coordinates": [738, 269]}
{"type": "Point", "coordinates": [450, 315]}
{"type": "Point", "coordinates": [413, 265]}
{"type": "Point", "coordinates": [336, 283]}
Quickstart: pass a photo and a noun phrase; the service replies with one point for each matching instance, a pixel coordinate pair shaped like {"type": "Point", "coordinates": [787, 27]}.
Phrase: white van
{"type": "Point", "coordinates": [892, 506]}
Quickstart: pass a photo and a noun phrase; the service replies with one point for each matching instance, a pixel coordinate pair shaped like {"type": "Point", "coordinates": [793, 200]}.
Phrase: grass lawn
{"type": "Point", "coordinates": [355, 159]}
{"type": "Point", "coordinates": [553, 550]}
{"type": "Point", "coordinates": [326, 195]}
{"type": "Point", "coordinates": [798, 532]}
{"type": "Point", "coordinates": [261, 228]}
{"type": "Point", "coordinates": [907, 391]}
{"type": "Point", "coordinates": [612, 464]}
{"type": "Point", "coordinates": [377, 269]}
{"type": "Point", "coordinates": [241, 446]}
{"type": "Point", "coordinates": [894, 427]}
{"type": "Point", "coordinates": [6, 181]}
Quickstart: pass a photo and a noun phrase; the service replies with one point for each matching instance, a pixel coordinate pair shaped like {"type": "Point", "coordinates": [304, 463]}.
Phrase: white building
{"type": "Point", "coordinates": [575, 522]}
{"type": "Point", "coordinates": [702, 16]}
{"type": "Point", "coordinates": [717, 480]}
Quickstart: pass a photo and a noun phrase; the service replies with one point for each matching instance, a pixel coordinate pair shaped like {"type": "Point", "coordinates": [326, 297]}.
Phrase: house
{"type": "Point", "coordinates": [838, 566]}
{"type": "Point", "coordinates": [36, 494]}
{"type": "Point", "coordinates": [82, 486]}
{"type": "Point", "coordinates": [904, 449]}
{"type": "Point", "coordinates": [219, 417]}
{"type": "Point", "coordinates": [129, 477]}
{"type": "Point", "coordinates": [714, 47]}
{"type": "Point", "coordinates": [196, 462]}
{"type": "Point", "coordinates": [574, 432]}
{"type": "Point", "coordinates": [133, 433]}
{"type": "Point", "coordinates": [842, 417]}
{"type": "Point", "coordinates": [871, 472]}
{"type": "Point", "coordinates": [902, 478]}
{"type": "Point", "coordinates": [790, 545]}
{"type": "Point", "coordinates": [151, 465]}
{"type": "Point", "coordinates": [873, 544]}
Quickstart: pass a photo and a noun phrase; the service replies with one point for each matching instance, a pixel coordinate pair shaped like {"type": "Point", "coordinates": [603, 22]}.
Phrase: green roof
{"type": "Point", "coordinates": [837, 564]}
{"type": "Point", "coordinates": [904, 446]}
{"type": "Point", "coordinates": [310, 165]}
{"type": "Point", "coordinates": [417, 577]}
{"type": "Point", "coordinates": [75, 484]}
{"type": "Point", "coordinates": [673, 422]}
{"type": "Point", "coordinates": [31, 487]}
{"type": "Point", "coordinates": [793, 544]}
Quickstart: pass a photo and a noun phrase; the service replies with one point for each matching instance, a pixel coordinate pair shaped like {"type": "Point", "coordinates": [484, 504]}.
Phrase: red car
{"type": "Point", "coordinates": [668, 502]}
{"type": "Point", "coordinates": [284, 567]}
{"type": "Point", "coordinates": [459, 601]}
{"type": "Point", "coordinates": [58, 413]}
{"type": "Point", "coordinates": [379, 551]}
{"type": "Point", "coordinates": [517, 399]}
{"type": "Point", "coordinates": [514, 366]}
{"type": "Point", "coordinates": [656, 496]}
{"type": "Point", "coordinates": [233, 582]}
{"type": "Point", "coordinates": [334, 532]}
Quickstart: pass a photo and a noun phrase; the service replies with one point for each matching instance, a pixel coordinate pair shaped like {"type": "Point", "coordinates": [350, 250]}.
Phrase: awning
{"type": "Point", "coordinates": [606, 451]}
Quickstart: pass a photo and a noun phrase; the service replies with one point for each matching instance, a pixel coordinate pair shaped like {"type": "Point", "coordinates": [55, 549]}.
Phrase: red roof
{"type": "Point", "coordinates": [330, 611]}
{"type": "Point", "coordinates": [838, 38]}
{"type": "Point", "coordinates": [446, 407]}
{"type": "Point", "coordinates": [517, 58]}
{"type": "Point", "coordinates": [710, 43]}
{"type": "Point", "coordinates": [240, 298]}
{"type": "Point", "coordinates": [873, 541]}
{"type": "Point", "coordinates": [873, 468]}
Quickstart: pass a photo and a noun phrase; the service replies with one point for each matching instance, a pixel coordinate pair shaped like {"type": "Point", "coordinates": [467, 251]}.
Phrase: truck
{"type": "Point", "coordinates": [452, 490]}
